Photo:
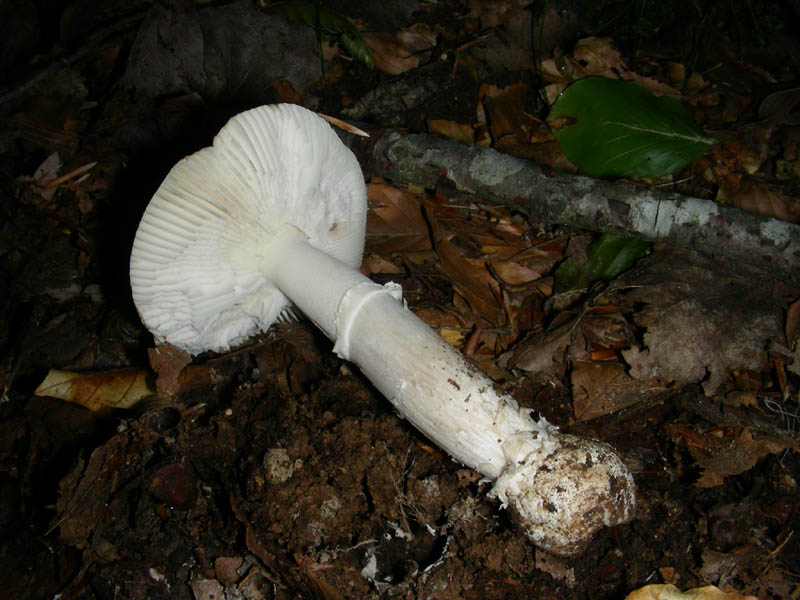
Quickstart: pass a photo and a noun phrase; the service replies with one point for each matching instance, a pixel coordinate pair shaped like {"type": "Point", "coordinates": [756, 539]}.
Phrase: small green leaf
{"type": "Point", "coordinates": [358, 49]}
{"type": "Point", "coordinates": [613, 128]}
{"type": "Point", "coordinates": [326, 22]}
{"type": "Point", "coordinates": [608, 256]}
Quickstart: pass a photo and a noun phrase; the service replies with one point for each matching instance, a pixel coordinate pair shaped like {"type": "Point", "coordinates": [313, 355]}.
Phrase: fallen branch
{"type": "Point", "coordinates": [583, 202]}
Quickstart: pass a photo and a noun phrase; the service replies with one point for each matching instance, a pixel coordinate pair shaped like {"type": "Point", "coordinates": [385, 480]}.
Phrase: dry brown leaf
{"type": "Point", "coordinates": [460, 132]}
{"type": "Point", "coordinates": [418, 37]}
{"type": "Point", "coordinates": [654, 86]}
{"type": "Point", "coordinates": [723, 451]}
{"type": "Point", "coordinates": [543, 351]}
{"type": "Point", "coordinates": [606, 327]}
{"type": "Point", "coordinates": [668, 591]}
{"type": "Point", "coordinates": [395, 222]}
{"type": "Point", "coordinates": [676, 73]}
{"type": "Point", "coordinates": [513, 274]}
{"type": "Point", "coordinates": [503, 110]}
{"type": "Point", "coordinates": [374, 264]}
{"type": "Point", "coordinates": [519, 266]}
{"type": "Point", "coordinates": [597, 56]}
{"type": "Point", "coordinates": [168, 362]}
{"type": "Point", "coordinates": [593, 56]}
{"type": "Point", "coordinates": [86, 492]}
{"type": "Point", "coordinates": [740, 398]}
{"type": "Point", "coordinates": [601, 388]}
{"type": "Point", "coordinates": [390, 54]}
{"type": "Point", "coordinates": [44, 174]}
{"type": "Point", "coordinates": [401, 52]}
{"type": "Point", "coordinates": [437, 317]}
{"type": "Point", "coordinates": [120, 388]}
{"type": "Point", "coordinates": [792, 333]}
{"type": "Point", "coordinates": [285, 91]}
{"type": "Point", "coordinates": [500, 251]}
{"type": "Point", "coordinates": [781, 108]}
{"type": "Point", "coordinates": [762, 198]}
{"type": "Point", "coordinates": [481, 232]}
{"type": "Point", "coordinates": [469, 276]}
{"type": "Point", "coordinates": [728, 164]}
{"type": "Point", "coordinates": [553, 90]}
{"type": "Point", "coordinates": [723, 567]}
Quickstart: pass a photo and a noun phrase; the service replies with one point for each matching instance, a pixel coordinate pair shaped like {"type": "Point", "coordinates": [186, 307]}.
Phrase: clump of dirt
{"type": "Point", "coordinates": [326, 489]}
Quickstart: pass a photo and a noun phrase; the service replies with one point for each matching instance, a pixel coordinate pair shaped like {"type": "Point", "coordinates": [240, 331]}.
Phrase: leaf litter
{"type": "Point", "coordinates": [678, 362]}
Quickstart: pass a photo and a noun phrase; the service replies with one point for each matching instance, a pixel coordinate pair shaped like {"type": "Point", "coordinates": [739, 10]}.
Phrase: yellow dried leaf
{"type": "Point", "coordinates": [668, 591]}
{"type": "Point", "coordinates": [453, 337]}
{"type": "Point", "coordinates": [120, 388]}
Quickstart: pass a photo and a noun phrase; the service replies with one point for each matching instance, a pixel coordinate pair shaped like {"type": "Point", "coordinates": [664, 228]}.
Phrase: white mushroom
{"type": "Point", "coordinates": [274, 214]}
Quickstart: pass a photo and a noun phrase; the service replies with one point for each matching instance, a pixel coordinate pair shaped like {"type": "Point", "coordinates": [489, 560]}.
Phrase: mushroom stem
{"type": "Point", "coordinates": [560, 488]}
{"type": "Point", "coordinates": [426, 379]}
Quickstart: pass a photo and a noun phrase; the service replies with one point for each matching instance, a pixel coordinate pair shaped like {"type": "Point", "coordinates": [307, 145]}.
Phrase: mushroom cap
{"type": "Point", "coordinates": [197, 264]}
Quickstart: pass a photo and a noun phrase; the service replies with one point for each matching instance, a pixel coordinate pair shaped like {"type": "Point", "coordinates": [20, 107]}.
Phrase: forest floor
{"type": "Point", "coordinates": [276, 470]}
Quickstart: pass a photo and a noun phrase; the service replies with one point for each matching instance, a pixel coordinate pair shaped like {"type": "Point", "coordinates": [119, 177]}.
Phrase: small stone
{"type": "Point", "coordinates": [226, 568]}
{"type": "Point", "coordinates": [207, 589]}
{"type": "Point", "coordinates": [278, 466]}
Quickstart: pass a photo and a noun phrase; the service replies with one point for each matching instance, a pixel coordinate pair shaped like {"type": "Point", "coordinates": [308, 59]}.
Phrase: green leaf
{"type": "Point", "coordinates": [613, 128]}
{"type": "Point", "coordinates": [326, 22]}
{"type": "Point", "coordinates": [354, 44]}
{"type": "Point", "coordinates": [608, 256]}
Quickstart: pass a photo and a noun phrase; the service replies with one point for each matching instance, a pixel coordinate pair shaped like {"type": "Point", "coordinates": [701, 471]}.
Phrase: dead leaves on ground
{"type": "Point", "coordinates": [662, 325]}
{"type": "Point", "coordinates": [724, 451]}
{"type": "Point", "coordinates": [753, 168]}
{"type": "Point", "coordinates": [396, 53]}
{"type": "Point", "coordinates": [395, 222]}
{"type": "Point", "coordinates": [487, 256]}
{"type": "Point", "coordinates": [604, 387]}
